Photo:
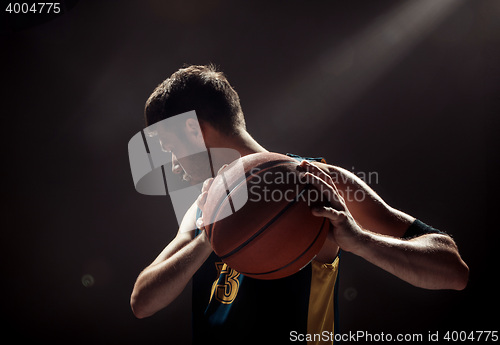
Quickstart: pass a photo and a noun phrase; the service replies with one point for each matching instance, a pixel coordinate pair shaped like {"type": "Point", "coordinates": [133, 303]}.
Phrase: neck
{"type": "Point", "coordinates": [245, 144]}
{"type": "Point", "coordinates": [242, 142]}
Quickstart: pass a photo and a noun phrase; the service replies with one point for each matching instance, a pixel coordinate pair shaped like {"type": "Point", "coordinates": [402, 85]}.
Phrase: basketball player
{"type": "Point", "coordinates": [229, 308]}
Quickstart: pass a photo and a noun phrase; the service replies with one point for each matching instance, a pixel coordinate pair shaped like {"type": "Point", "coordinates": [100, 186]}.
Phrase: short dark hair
{"type": "Point", "coordinates": [201, 88]}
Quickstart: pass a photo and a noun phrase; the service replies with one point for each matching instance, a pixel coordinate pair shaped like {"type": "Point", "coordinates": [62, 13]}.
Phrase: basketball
{"type": "Point", "coordinates": [258, 220]}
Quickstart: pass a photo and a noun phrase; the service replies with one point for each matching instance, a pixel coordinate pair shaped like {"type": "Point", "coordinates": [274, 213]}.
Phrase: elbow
{"type": "Point", "coordinates": [460, 270]}
{"type": "Point", "coordinates": [461, 278]}
{"type": "Point", "coordinates": [146, 299]}
{"type": "Point", "coordinates": [454, 277]}
{"type": "Point", "coordinates": [138, 306]}
{"type": "Point", "coordinates": [455, 272]}
{"type": "Point", "coordinates": [459, 273]}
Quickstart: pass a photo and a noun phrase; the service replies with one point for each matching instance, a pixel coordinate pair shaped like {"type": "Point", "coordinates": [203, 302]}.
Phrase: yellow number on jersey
{"type": "Point", "coordinates": [226, 289]}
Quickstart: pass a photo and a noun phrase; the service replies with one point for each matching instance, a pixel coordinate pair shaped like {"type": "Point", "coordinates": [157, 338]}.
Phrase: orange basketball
{"type": "Point", "coordinates": [257, 217]}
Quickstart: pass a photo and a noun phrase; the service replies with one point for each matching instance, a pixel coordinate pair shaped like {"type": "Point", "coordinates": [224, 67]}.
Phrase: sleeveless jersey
{"type": "Point", "coordinates": [230, 308]}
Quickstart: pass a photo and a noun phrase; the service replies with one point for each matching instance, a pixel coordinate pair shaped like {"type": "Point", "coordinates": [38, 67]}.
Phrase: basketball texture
{"type": "Point", "coordinates": [273, 234]}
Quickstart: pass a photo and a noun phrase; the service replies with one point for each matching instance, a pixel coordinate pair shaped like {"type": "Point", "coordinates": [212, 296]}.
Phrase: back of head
{"type": "Point", "coordinates": [199, 88]}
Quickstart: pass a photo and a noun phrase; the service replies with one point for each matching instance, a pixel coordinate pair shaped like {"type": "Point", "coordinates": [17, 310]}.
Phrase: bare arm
{"type": "Point", "coordinates": [162, 281]}
{"type": "Point", "coordinates": [429, 261]}
{"type": "Point", "coordinates": [368, 227]}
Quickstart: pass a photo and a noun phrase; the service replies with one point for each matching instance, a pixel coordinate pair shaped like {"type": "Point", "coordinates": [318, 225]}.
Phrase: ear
{"type": "Point", "coordinates": [193, 130]}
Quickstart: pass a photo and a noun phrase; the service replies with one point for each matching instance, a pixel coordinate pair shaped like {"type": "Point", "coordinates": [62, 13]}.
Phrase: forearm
{"type": "Point", "coordinates": [159, 284]}
{"type": "Point", "coordinates": [429, 261]}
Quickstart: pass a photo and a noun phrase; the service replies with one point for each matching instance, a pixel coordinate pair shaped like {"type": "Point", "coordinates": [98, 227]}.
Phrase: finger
{"type": "Point", "coordinates": [221, 168]}
{"type": "Point", "coordinates": [325, 189]}
{"type": "Point", "coordinates": [206, 185]}
{"type": "Point", "coordinates": [327, 212]}
{"type": "Point", "coordinates": [306, 166]}
{"type": "Point", "coordinates": [202, 198]}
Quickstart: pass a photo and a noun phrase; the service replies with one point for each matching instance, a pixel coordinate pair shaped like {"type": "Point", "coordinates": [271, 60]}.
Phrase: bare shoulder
{"type": "Point", "coordinates": [368, 209]}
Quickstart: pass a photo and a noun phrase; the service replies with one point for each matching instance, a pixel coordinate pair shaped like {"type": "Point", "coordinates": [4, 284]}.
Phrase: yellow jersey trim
{"type": "Point", "coordinates": [322, 299]}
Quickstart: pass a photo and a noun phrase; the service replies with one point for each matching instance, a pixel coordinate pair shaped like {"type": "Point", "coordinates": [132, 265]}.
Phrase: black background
{"type": "Point", "coordinates": [73, 91]}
